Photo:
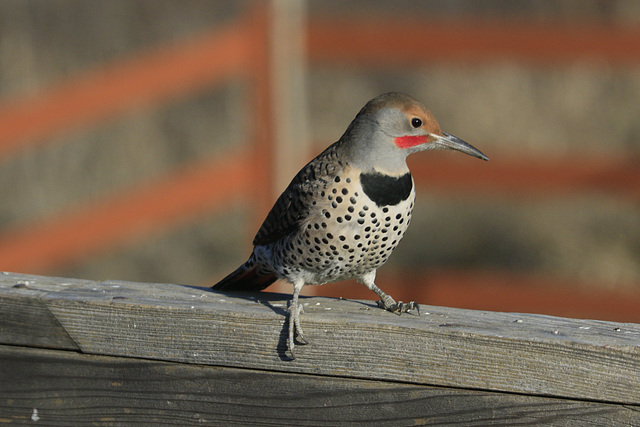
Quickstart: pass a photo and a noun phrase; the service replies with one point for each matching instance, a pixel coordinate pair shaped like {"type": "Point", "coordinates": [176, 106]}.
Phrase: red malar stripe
{"type": "Point", "coordinates": [410, 140]}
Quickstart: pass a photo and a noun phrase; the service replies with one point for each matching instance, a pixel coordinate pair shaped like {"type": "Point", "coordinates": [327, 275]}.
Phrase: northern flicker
{"type": "Point", "coordinates": [345, 212]}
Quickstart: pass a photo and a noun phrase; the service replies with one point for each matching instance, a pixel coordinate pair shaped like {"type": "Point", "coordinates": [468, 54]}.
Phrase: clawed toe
{"type": "Point", "coordinates": [301, 340]}
{"type": "Point", "coordinates": [400, 307]}
{"type": "Point", "coordinates": [410, 306]}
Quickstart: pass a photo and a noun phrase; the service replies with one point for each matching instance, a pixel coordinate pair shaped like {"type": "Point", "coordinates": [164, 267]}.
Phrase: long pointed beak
{"type": "Point", "coordinates": [454, 143]}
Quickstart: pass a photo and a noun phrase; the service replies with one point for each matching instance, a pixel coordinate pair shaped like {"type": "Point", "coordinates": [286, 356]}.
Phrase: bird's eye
{"type": "Point", "coordinates": [416, 122]}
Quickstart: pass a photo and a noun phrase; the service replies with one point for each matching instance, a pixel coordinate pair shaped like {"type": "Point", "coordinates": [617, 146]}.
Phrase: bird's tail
{"type": "Point", "coordinates": [245, 278]}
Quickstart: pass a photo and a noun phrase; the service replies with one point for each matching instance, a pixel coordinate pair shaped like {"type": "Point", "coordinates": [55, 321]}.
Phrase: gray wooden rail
{"type": "Point", "coordinates": [83, 352]}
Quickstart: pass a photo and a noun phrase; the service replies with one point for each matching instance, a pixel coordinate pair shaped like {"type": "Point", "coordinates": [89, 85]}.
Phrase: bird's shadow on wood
{"type": "Point", "coordinates": [267, 299]}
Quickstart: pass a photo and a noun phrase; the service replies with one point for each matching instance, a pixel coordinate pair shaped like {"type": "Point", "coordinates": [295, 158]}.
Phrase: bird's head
{"type": "Point", "coordinates": [394, 125]}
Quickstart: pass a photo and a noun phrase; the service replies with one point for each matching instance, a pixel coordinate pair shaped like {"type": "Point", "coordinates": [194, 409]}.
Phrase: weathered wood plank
{"type": "Point", "coordinates": [63, 388]}
{"type": "Point", "coordinates": [523, 353]}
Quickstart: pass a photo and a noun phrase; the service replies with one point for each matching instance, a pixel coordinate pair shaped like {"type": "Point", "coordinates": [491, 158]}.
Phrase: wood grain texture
{"type": "Point", "coordinates": [522, 353]}
{"type": "Point", "coordinates": [67, 388]}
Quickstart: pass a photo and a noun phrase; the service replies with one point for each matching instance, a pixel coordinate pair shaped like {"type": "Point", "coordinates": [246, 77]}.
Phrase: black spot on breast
{"type": "Point", "coordinates": [386, 190]}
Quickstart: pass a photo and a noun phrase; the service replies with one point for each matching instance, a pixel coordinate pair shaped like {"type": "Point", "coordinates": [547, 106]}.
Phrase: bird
{"type": "Point", "coordinates": [346, 210]}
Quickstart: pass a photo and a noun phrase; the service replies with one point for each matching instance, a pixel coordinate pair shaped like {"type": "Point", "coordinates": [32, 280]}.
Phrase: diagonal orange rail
{"type": "Point", "coordinates": [205, 186]}
{"type": "Point", "coordinates": [135, 213]}
{"type": "Point", "coordinates": [140, 81]}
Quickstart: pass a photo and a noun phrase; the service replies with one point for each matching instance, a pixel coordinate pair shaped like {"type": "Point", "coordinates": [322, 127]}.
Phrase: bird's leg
{"type": "Point", "coordinates": [294, 320]}
{"type": "Point", "coordinates": [386, 301]}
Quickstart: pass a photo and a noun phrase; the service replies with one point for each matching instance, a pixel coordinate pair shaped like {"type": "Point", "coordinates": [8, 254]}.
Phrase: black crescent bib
{"type": "Point", "coordinates": [386, 190]}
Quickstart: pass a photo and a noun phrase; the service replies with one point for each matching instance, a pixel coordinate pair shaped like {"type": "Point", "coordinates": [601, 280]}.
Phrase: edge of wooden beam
{"type": "Point", "coordinates": [509, 352]}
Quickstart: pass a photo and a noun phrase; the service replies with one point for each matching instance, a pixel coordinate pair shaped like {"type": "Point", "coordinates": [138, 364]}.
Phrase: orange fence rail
{"type": "Point", "coordinates": [387, 41]}
{"type": "Point", "coordinates": [130, 215]}
{"type": "Point", "coordinates": [101, 94]}
{"type": "Point", "coordinates": [208, 61]}
{"type": "Point", "coordinates": [498, 291]}
{"type": "Point", "coordinates": [615, 176]}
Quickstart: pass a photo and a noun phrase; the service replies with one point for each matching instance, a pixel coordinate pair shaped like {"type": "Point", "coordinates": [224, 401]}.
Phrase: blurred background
{"type": "Point", "coordinates": [146, 140]}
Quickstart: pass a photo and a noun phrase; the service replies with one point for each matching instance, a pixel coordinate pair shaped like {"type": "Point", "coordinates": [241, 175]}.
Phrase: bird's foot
{"type": "Point", "coordinates": [295, 330]}
{"type": "Point", "coordinates": [399, 307]}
